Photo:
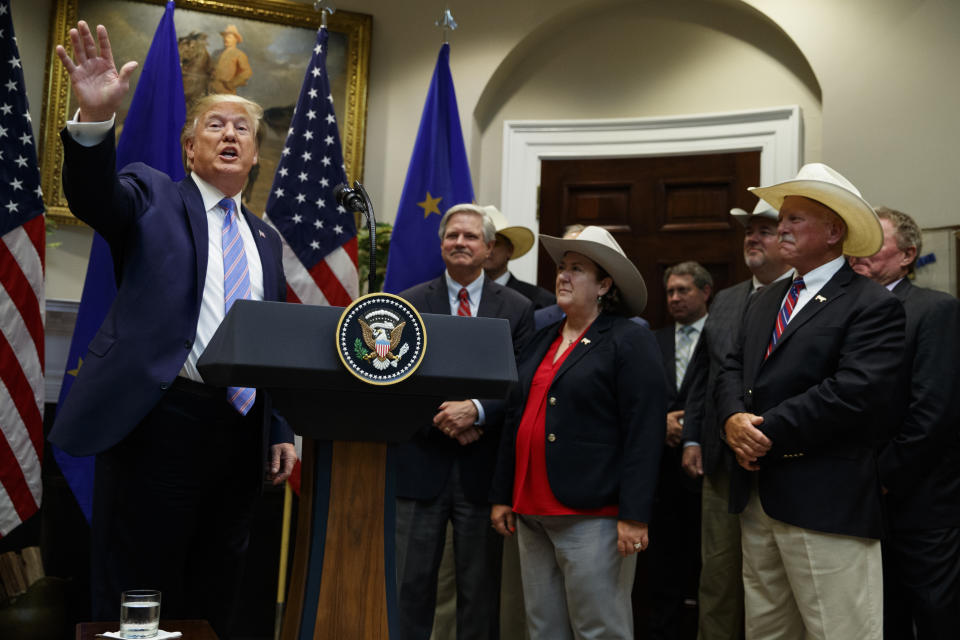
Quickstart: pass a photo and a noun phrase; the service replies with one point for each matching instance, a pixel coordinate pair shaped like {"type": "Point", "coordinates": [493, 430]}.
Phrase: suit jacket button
{"type": "Point", "coordinates": [552, 438]}
{"type": "Point", "coordinates": [553, 401]}
{"type": "Point", "coordinates": [749, 392]}
{"type": "Point", "coordinates": [187, 344]}
{"type": "Point", "coordinates": [164, 385]}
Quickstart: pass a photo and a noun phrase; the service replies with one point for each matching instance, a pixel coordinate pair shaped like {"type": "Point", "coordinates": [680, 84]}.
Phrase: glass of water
{"type": "Point", "coordinates": [139, 613]}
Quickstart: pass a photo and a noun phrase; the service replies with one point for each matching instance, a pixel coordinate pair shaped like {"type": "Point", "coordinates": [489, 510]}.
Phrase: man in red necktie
{"type": "Point", "coordinates": [444, 472]}
{"type": "Point", "coordinates": [805, 395]}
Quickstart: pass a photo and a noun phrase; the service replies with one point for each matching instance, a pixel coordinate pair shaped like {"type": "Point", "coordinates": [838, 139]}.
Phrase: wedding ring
{"type": "Point", "coordinates": [638, 546]}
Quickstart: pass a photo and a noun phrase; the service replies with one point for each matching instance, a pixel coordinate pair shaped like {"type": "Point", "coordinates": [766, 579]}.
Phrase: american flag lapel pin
{"type": "Point", "coordinates": [819, 298]}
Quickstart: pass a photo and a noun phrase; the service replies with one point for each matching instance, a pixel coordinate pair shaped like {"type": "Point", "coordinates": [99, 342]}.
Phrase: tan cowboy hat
{"type": "Point", "coordinates": [763, 209]}
{"type": "Point", "coordinates": [819, 182]}
{"type": "Point", "coordinates": [520, 237]}
{"type": "Point", "coordinates": [232, 29]}
{"type": "Point", "coordinates": [597, 244]}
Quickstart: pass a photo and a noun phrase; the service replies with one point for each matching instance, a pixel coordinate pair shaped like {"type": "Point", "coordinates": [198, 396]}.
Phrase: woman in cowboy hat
{"type": "Point", "coordinates": [578, 459]}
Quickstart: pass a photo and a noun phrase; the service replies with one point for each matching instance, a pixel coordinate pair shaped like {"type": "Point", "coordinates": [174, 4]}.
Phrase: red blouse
{"type": "Point", "coordinates": [531, 488]}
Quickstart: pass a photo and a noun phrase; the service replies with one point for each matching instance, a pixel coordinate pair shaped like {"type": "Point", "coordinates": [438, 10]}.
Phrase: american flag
{"type": "Point", "coordinates": [320, 237]}
{"type": "Point", "coordinates": [22, 241]}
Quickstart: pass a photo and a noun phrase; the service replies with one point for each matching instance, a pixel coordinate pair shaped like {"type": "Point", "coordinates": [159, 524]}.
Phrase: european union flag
{"type": "Point", "coordinates": [151, 134]}
{"type": "Point", "coordinates": [437, 179]}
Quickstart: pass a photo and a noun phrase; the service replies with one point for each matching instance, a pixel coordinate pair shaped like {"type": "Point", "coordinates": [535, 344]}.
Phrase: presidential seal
{"type": "Point", "coordinates": [381, 338]}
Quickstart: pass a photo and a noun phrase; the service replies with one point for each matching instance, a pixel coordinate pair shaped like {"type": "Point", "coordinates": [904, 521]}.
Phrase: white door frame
{"type": "Point", "coordinates": [776, 132]}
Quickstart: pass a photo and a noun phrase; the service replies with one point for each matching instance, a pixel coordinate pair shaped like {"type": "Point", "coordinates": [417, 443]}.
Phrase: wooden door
{"type": "Point", "coordinates": [662, 210]}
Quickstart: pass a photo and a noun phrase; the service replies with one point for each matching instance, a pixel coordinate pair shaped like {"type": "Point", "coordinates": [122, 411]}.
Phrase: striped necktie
{"type": "Point", "coordinates": [683, 351]}
{"type": "Point", "coordinates": [236, 286]}
{"type": "Point", "coordinates": [464, 308]}
{"type": "Point", "coordinates": [784, 316]}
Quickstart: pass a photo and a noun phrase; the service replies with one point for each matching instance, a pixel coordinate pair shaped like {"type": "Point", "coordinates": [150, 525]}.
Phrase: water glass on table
{"type": "Point", "coordinates": [139, 613]}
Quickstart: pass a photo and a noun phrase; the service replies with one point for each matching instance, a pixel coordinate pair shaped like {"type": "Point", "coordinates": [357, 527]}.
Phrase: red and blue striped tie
{"type": "Point", "coordinates": [236, 286]}
{"type": "Point", "coordinates": [784, 316]}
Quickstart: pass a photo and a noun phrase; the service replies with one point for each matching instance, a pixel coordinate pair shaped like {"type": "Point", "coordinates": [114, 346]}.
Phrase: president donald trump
{"type": "Point", "coordinates": [179, 462]}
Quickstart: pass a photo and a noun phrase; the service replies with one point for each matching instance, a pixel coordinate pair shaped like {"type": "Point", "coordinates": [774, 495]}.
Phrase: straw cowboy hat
{"type": "Point", "coordinates": [520, 237]}
{"type": "Point", "coordinates": [819, 182]}
{"type": "Point", "coordinates": [597, 244]}
{"type": "Point", "coordinates": [763, 209]}
{"type": "Point", "coordinates": [232, 29]}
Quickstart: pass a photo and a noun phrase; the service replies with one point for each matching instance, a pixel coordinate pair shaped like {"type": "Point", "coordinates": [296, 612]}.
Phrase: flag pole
{"type": "Point", "coordinates": [284, 554]}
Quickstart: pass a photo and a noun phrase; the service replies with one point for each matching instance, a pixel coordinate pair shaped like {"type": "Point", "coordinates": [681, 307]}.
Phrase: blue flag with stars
{"type": "Point", "coordinates": [438, 178]}
{"type": "Point", "coordinates": [319, 232]}
{"type": "Point", "coordinates": [151, 134]}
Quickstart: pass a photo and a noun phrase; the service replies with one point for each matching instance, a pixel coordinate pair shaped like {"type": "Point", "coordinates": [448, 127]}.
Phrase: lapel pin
{"type": "Point", "coordinates": [819, 298]}
{"type": "Point", "coordinates": [585, 341]}
{"type": "Point", "coordinates": [262, 234]}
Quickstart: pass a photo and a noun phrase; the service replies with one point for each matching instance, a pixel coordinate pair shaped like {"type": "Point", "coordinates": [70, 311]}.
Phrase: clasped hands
{"type": "Point", "coordinates": [748, 443]}
{"type": "Point", "coordinates": [456, 419]}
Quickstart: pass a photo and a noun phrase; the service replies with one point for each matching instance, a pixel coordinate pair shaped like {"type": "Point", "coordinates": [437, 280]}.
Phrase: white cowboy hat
{"type": "Point", "coordinates": [763, 209]}
{"type": "Point", "coordinates": [819, 182]}
{"type": "Point", "coordinates": [520, 237]}
{"type": "Point", "coordinates": [597, 244]}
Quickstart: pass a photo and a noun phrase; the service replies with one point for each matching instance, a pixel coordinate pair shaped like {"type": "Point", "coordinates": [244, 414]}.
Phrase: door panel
{"type": "Point", "coordinates": [662, 210]}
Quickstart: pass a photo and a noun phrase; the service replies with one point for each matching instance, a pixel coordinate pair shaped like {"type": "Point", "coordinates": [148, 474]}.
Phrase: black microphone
{"type": "Point", "coordinates": [351, 199]}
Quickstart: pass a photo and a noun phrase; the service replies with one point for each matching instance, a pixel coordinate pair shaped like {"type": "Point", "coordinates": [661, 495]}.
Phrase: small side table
{"type": "Point", "coordinates": [191, 629]}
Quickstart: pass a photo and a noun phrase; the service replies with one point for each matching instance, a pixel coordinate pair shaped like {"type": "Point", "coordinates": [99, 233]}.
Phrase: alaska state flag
{"type": "Point", "coordinates": [437, 179]}
{"type": "Point", "coordinates": [151, 134]}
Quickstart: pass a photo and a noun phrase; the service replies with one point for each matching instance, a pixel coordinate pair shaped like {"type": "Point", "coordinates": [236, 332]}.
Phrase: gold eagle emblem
{"type": "Point", "coordinates": [371, 336]}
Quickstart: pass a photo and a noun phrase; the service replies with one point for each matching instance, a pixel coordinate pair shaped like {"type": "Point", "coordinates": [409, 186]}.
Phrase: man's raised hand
{"type": "Point", "coordinates": [97, 84]}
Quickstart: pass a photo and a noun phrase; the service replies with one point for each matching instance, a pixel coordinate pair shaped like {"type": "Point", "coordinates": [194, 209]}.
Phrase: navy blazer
{"type": "Point", "coordinates": [827, 394]}
{"type": "Point", "coordinates": [424, 463]}
{"type": "Point", "coordinates": [604, 421]}
{"type": "Point", "coordinates": [920, 466]}
{"type": "Point", "coordinates": [700, 421]}
{"type": "Point", "coordinates": [157, 232]}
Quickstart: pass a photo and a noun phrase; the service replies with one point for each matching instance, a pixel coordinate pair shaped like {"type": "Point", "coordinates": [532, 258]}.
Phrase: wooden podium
{"type": "Point", "coordinates": [343, 583]}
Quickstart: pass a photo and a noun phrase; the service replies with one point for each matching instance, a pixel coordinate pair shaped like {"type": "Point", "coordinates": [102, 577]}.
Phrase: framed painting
{"type": "Point", "coordinates": [276, 38]}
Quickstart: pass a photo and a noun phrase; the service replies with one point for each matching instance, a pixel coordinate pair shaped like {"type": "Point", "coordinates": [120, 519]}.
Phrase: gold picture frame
{"type": "Point", "coordinates": [279, 37]}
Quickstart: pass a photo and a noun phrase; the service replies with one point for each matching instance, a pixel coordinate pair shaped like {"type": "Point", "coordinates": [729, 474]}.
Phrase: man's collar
{"type": "Point", "coordinates": [696, 324]}
{"type": "Point", "coordinates": [503, 278]}
{"type": "Point", "coordinates": [473, 289]}
{"type": "Point", "coordinates": [210, 194]}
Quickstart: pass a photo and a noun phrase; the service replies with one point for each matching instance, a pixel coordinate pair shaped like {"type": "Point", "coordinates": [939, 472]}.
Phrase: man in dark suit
{"type": "Point", "coordinates": [920, 465]}
{"type": "Point", "coordinates": [444, 472]}
{"type": "Point", "coordinates": [675, 526]}
{"type": "Point", "coordinates": [512, 242]}
{"type": "Point", "coordinates": [720, 596]}
{"type": "Point", "coordinates": [805, 396]}
{"type": "Point", "coordinates": [179, 463]}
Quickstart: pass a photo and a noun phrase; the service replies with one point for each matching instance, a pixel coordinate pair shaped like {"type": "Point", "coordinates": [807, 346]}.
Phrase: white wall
{"type": "Point", "coordinates": [874, 79]}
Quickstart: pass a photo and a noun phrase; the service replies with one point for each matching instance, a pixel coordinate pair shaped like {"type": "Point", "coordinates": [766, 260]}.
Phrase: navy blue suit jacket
{"type": "Point", "coordinates": [920, 466]}
{"type": "Point", "coordinates": [157, 232]}
{"type": "Point", "coordinates": [604, 420]}
{"type": "Point", "coordinates": [827, 394]}
{"type": "Point", "coordinates": [424, 463]}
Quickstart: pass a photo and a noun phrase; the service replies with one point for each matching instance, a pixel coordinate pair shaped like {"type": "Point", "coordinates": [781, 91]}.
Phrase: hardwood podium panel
{"type": "Point", "coordinates": [353, 601]}
{"type": "Point", "coordinates": [338, 583]}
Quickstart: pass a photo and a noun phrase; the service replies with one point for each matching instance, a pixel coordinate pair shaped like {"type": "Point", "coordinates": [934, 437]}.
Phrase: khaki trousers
{"type": "Point", "coordinates": [801, 584]}
{"type": "Point", "coordinates": [721, 584]}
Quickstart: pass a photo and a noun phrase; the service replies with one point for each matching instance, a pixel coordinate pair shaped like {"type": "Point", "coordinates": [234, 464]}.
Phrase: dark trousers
{"type": "Point", "coordinates": [921, 579]}
{"type": "Point", "coordinates": [421, 531]}
{"type": "Point", "coordinates": [674, 553]}
{"type": "Point", "coordinates": [173, 505]}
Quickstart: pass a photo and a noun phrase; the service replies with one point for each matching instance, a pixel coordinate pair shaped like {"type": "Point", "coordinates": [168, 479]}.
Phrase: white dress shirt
{"type": "Point", "coordinates": [474, 289]}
